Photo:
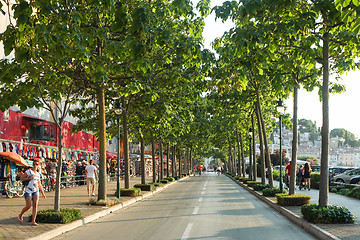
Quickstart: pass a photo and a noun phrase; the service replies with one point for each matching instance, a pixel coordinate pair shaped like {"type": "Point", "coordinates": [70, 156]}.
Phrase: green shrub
{"type": "Point", "coordinates": [330, 214]}
{"type": "Point", "coordinates": [170, 179]}
{"type": "Point", "coordinates": [237, 178]}
{"type": "Point", "coordinates": [260, 187]}
{"type": "Point", "coordinates": [145, 187]}
{"type": "Point", "coordinates": [276, 175]}
{"type": "Point", "coordinates": [252, 183]}
{"type": "Point", "coordinates": [292, 200]}
{"type": "Point", "coordinates": [245, 180]}
{"type": "Point", "coordinates": [315, 180]}
{"type": "Point", "coordinates": [176, 177]}
{"type": "Point", "coordinates": [108, 202]}
{"type": "Point", "coordinates": [270, 192]}
{"type": "Point", "coordinates": [156, 184]}
{"type": "Point", "coordinates": [183, 175]}
{"type": "Point", "coordinates": [132, 192]}
{"type": "Point", "coordinates": [164, 181]}
{"type": "Point", "coordinates": [65, 215]}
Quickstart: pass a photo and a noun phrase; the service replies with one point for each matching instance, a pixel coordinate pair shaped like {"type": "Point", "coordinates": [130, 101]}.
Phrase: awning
{"type": "Point", "coordinates": [16, 158]}
{"type": "Point", "coordinates": [110, 155]}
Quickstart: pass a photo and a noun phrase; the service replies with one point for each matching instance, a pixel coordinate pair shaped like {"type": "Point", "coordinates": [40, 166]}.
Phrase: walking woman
{"type": "Point", "coordinates": [306, 173]}
{"type": "Point", "coordinates": [32, 192]}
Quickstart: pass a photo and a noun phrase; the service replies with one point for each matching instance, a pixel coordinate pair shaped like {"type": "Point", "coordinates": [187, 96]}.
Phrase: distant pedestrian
{"type": "Point", "coordinates": [307, 175]}
{"type": "Point", "coordinates": [91, 177]}
{"type": "Point", "coordinates": [218, 170]}
{"type": "Point", "coordinates": [32, 192]}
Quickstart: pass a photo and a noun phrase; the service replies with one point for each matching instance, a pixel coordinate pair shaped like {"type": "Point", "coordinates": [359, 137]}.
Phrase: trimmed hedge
{"type": "Point", "coordinates": [292, 200]}
{"type": "Point", "coordinates": [156, 184]}
{"type": "Point", "coordinates": [132, 192]}
{"type": "Point", "coordinates": [65, 215]}
{"type": "Point", "coordinates": [170, 179]}
{"type": "Point", "coordinates": [252, 183]}
{"type": "Point", "coordinates": [145, 187]}
{"type": "Point", "coordinates": [260, 187]}
{"type": "Point", "coordinates": [355, 192]}
{"type": "Point", "coordinates": [276, 175]}
{"type": "Point", "coordinates": [246, 180]}
{"type": "Point", "coordinates": [108, 202]}
{"type": "Point", "coordinates": [164, 181]}
{"type": "Point", "coordinates": [271, 192]}
{"type": "Point", "coordinates": [315, 180]}
{"type": "Point", "coordinates": [330, 214]}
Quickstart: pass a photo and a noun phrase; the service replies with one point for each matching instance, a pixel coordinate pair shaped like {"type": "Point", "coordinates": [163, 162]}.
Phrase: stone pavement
{"type": "Point", "coordinates": [75, 197]}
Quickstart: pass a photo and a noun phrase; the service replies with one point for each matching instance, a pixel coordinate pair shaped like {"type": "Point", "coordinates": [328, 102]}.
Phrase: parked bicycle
{"type": "Point", "coordinates": [14, 188]}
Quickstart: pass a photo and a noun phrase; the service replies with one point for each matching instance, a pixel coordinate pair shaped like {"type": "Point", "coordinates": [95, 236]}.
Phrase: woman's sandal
{"type": "Point", "coordinates": [34, 224]}
{"type": "Point", "coordinates": [20, 220]}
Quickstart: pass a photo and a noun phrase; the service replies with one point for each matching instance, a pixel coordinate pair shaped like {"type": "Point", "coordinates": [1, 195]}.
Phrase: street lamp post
{"type": "Point", "coordinates": [118, 110]}
{"type": "Point", "coordinates": [281, 109]}
{"type": "Point", "coordinates": [250, 154]}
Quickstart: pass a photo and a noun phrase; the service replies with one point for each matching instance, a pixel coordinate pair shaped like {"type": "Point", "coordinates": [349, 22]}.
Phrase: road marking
{"type": "Point", "coordinates": [187, 232]}
{"type": "Point", "coordinates": [200, 199]}
{"type": "Point", "coordinates": [203, 192]}
{"type": "Point", "coordinates": [196, 209]}
{"type": "Point", "coordinates": [204, 188]}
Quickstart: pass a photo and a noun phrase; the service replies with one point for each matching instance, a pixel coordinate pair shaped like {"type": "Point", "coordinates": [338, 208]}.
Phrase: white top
{"type": "Point", "coordinates": [90, 171]}
{"type": "Point", "coordinates": [33, 185]}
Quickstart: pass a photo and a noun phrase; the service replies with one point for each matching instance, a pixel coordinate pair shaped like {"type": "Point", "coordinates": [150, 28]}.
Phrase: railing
{"type": "Point", "coordinates": [66, 182]}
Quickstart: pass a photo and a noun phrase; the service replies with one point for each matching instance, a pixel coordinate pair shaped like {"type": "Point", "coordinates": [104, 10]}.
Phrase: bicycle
{"type": "Point", "coordinates": [14, 188]}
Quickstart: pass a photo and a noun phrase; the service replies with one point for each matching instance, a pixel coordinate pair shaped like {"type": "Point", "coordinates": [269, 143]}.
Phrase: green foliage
{"type": "Point", "coordinates": [315, 180]}
{"type": "Point", "coordinates": [348, 136]}
{"type": "Point", "coordinates": [132, 192]}
{"type": "Point", "coordinates": [276, 175]}
{"type": "Point", "coordinates": [292, 200]}
{"type": "Point", "coordinates": [164, 181]}
{"type": "Point", "coordinates": [306, 125]}
{"type": "Point", "coordinates": [355, 192]}
{"type": "Point", "coordinates": [271, 192]}
{"type": "Point", "coordinates": [252, 183]}
{"type": "Point", "coordinates": [260, 187]}
{"type": "Point", "coordinates": [145, 187]}
{"type": "Point", "coordinates": [330, 214]}
{"type": "Point", "coordinates": [65, 215]}
{"type": "Point", "coordinates": [313, 160]}
{"type": "Point", "coordinates": [244, 180]}
{"type": "Point", "coordinates": [170, 179]}
{"type": "Point", "coordinates": [108, 202]}
{"type": "Point", "coordinates": [156, 184]}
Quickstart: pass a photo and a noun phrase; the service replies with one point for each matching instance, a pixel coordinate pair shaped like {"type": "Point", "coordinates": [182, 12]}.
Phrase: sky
{"type": "Point", "coordinates": [344, 109]}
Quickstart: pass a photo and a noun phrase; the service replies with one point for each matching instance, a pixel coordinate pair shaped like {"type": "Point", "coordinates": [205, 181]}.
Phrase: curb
{"type": "Point", "coordinates": [309, 227]}
{"type": "Point", "coordinates": [70, 226]}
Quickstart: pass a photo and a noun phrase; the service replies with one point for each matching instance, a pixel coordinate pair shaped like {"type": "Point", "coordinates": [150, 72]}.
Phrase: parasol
{"type": "Point", "coordinates": [16, 158]}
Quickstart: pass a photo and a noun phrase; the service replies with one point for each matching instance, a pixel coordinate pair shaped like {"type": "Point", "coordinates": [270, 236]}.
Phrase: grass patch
{"type": "Point", "coordinates": [252, 183]}
{"type": "Point", "coordinates": [260, 186]}
{"type": "Point", "coordinates": [108, 202]}
{"type": "Point", "coordinates": [132, 192]}
{"type": "Point", "coordinates": [145, 187]}
{"type": "Point", "coordinates": [271, 192]}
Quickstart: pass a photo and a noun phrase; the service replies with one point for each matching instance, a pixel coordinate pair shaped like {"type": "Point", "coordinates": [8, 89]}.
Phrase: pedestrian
{"type": "Point", "coordinates": [300, 176]}
{"type": "Point", "coordinates": [307, 175]}
{"type": "Point", "coordinates": [218, 170]}
{"type": "Point", "coordinates": [287, 172]}
{"type": "Point", "coordinates": [91, 177]}
{"type": "Point", "coordinates": [32, 192]}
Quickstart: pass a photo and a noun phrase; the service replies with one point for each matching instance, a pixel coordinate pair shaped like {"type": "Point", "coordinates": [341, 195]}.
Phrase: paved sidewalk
{"type": "Point", "coordinates": [75, 197]}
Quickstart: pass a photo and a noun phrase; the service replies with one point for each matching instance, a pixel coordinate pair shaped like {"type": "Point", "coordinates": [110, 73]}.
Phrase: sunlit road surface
{"type": "Point", "coordinates": [206, 207]}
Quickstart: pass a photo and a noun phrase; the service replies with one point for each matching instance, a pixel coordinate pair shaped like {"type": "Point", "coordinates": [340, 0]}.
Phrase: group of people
{"type": "Point", "coordinates": [303, 176]}
{"type": "Point", "coordinates": [32, 181]}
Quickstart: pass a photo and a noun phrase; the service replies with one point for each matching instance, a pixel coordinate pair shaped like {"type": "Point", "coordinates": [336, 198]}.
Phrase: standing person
{"type": "Point", "coordinates": [300, 176]}
{"type": "Point", "coordinates": [32, 192]}
{"type": "Point", "coordinates": [307, 176]}
{"type": "Point", "coordinates": [288, 171]}
{"type": "Point", "coordinates": [218, 170]}
{"type": "Point", "coordinates": [91, 176]}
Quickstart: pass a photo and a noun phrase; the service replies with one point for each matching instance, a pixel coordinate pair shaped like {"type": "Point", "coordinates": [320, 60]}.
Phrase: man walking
{"type": "Point", "coordinates": [91, 177]}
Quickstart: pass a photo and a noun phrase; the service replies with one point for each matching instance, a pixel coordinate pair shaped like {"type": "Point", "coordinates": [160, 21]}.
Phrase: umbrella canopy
{"type": "Point", "coordinates": [16, 158]}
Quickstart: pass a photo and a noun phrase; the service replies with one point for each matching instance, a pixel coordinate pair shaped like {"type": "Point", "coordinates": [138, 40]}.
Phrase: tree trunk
{"type": "Point", "coordinates": [292, 187]}
{"type": "Point", "coordinates": [324, 170]}
{"type": "Point", "coordinates": [250, 160]}
{"type": "Point", "coordinates": [153, 157]}
{"type": "Point", "coordinates": [262, 157]}
{"type": "Point", "coordinates": [243, 168]}
{"type": "Point", "coordinates": [142, 159]}
{"type": "Point", "coordinates": [191, 160]}
{"type": "Point", "coordinates": [161, 160]}
{"type": "Point", "coordinates": [267, 152]}
{"type": "Point", "coordinates": [102, 140]}
{"type": "Point", "coordinates": [230, 156]}
{"type": "Point", "coordinates": [58, 170]}
{"type": "Point", "coordinates": [239, 152]}
{"type": "Point", "coordinates": [126, 146]}
{"type": "Point", "coordinates": [173, 163]}
{"type": "Point", "coordinates": [167, 160]}
{"type": "Point", "coordinates": [254, 148]}
{"type": "Point", "coordinates": [180, 162]}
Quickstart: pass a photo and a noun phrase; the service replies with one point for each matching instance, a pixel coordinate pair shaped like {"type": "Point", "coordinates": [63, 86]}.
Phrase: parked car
{"type": "Point", "coordinates": [315, 168]}
{"type": "Point", "coordinates": [346, 176]}
{"type": "Point", "coordinates": [355, 180]}
{"type": "Point", "coordinates": [333, 171]}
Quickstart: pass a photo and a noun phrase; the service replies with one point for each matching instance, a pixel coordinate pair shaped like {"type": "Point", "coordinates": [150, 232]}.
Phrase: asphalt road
{"type": "Point", "coordinates": [206, 207]}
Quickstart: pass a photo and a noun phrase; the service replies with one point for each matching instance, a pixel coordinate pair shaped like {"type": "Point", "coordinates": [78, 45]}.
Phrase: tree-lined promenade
{"type": "Point", "coordinates": [79, 58]}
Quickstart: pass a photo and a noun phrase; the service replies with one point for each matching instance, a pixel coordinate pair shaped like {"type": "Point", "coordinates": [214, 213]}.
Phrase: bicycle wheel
{"type": "Point", "coordinates": [20, 189]}
{"type": "Point", "coordinates": [9, 189]}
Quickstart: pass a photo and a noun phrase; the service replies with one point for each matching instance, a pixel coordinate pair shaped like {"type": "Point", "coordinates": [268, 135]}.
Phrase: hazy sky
{"type": "Point", "coordinates": [344, 108]}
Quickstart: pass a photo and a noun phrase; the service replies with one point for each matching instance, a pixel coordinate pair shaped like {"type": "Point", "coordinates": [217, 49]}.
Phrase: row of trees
{"type": "Point", "coordinates": [149, 55]}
